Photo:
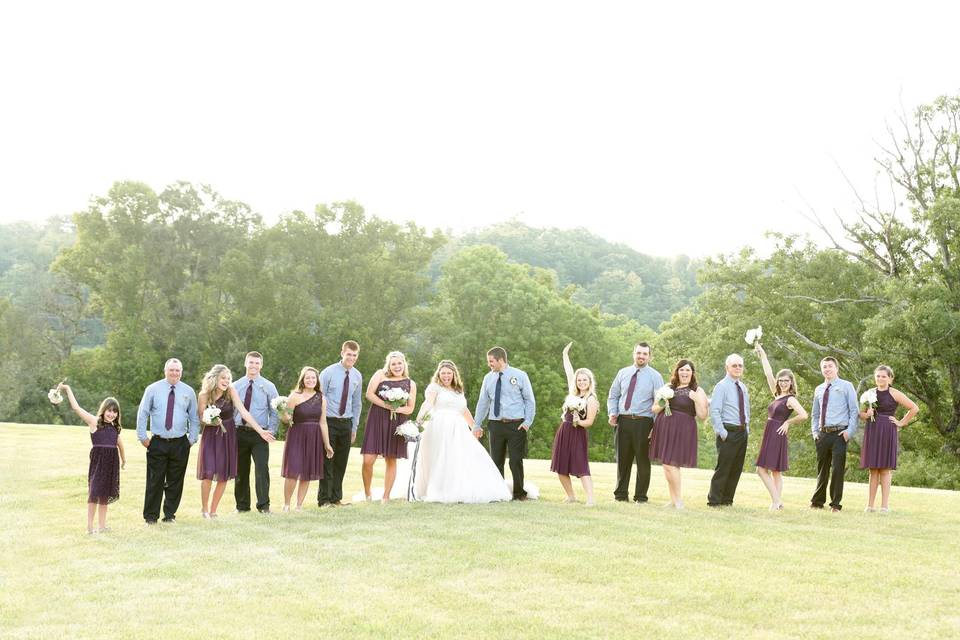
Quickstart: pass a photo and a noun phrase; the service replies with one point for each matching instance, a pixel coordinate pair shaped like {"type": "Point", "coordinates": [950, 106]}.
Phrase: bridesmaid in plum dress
{"type": "Point", "coordinates": [881, 436]}
{"type": "Point", "coordinates": [217, 461]}
{"type": "Point", "coordinates": [103, 475]}
{"type": "Point", "coordinates": [307, 439]}
{"type": "Point", "coordinates": [569, 456]}
{"type": "Point", "coordinates": [674, 438]}
{"type": "Point", "coordinates": [772, 460]}
{"type": "Point", "coordinates": [380, 432]}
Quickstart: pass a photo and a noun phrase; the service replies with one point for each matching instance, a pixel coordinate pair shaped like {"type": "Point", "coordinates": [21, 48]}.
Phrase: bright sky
{"type": "Point", "coordinates": [678, 127]}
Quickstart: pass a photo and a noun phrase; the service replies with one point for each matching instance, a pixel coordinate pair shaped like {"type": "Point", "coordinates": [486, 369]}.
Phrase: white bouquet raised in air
{"type": "Point", "coordinates": [663, 396]}
{"type": "Point", "coordinates": [753, 335]}
{"type": "Point", "coordinates": [869, 398]}
{"type": "Point", "coordinates": [54, 395]}
{"type": "Point", "coordinates": [279, 404]}
{"type": "Point", "coordinates": [211, 416]}
{"type": "Point", "coordinates": [395, 397]}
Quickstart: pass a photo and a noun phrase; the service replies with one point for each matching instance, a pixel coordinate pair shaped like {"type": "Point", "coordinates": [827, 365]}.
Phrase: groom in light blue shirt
{"type": "Point", "coordinates": [507, 403]}
{"type": "Point", "coordinates": [833, 421]}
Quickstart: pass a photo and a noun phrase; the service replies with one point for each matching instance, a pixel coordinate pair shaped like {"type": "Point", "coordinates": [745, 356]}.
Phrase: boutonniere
{"type": "Point", "coordinates": [514, 381]}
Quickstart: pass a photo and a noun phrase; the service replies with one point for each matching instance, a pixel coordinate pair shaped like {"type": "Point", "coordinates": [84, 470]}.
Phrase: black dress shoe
{"type": "Point", "coordinates": [520, 498]}
{"type": "Point", "coordinates": [168, 519]}
{"type": "Point", "coordinates": [150, 522]}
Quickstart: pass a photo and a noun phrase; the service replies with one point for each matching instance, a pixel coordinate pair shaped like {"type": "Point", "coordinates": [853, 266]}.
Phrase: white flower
{"type": "Point", "coordinates": [394, 395]}
{"type": "Point", "coordinates": [573, 403]}
{"type": "Point", "coordinates": [279, 403]}
{"type": "Point", "coordinates": [410, 430]}
{"type": "Point", "coordinates": [753, 335]}
{"type": "Point", "coordinates": [54, 396]}
{"type": "Point", "coordinates": [663, 396]}
{"type": "Point", "coordinates": [211, 414]}
{"type": "Point", "coordinates": [869, 397]}
{"type": "Point", "coordinates": [514, 381]}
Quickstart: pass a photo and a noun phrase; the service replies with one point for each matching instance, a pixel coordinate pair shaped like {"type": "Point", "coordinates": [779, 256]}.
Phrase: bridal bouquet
{"type": "Point", "coordinates": [411, 429]}
{"type": "Point", "coordinates": [279, 404]}
{"type": "Point", "coordinates": [753, 335]}
{"type": "Point", "coordinates": [395, 397]}
{"type": "Point", "coordinates": [211, 416]}
{"type": "Point", "coordinates": [663, 397]}
{"type": "Point", "coordinates": [869, 398]}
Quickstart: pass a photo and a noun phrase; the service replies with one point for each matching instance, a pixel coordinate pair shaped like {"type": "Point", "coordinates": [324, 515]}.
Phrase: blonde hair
{"type": "Point", "coordinates": [456, 384]}
{"type": "Point", "coordinates": [210, 378]}
{"type": "Point", "coordinates": [403, 358]}
{"type": "Point", "coordinates": [886, 369]}
{"type": "Point", "coordinates": [300, 383]}
{"type": "Point", "coordinates": [793, 382]}
{"type": "Point", "coordinates": [592, 391]}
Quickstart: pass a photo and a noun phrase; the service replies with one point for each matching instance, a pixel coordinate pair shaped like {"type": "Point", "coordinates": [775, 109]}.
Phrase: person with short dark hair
{"type": "Point", "coordinates": [630, 412]}
{"type": "Point", "coordinates": [507, 403]}
{"type": "Point", "coordinates": [257, 394]}
{"type": "Point", "coordinates": [833, 421]}
{"type": "Point", "coordinates": [342, 385]}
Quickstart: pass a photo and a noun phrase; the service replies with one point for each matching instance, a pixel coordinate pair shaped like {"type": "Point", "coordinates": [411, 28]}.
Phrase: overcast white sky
{"type": "Point", "coordinates": [677, 128]}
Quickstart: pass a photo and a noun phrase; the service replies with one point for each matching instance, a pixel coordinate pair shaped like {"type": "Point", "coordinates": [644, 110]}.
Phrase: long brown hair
{"type": "Point", "coordinates": [300, 383]}
{"type": "Point", "coordinates": [675, 376]}
{"type": "Point", "coordinates": [109, 403]}
{"type": "Point", "coordinates": [456, 384]}
{"type": "Point", "coordinates": [792, 391]}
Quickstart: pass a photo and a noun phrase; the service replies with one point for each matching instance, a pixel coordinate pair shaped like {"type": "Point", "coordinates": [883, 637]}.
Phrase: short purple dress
{"type": "Point", "coordinates": [881, 438]}
{"type": "Point", "coordinates": [674, 440]}
{"type": "Point", "coordinates": [773, 449]}
{"type": "Point", "coordinates": [103, 477]}
{"type": "Point", "coordinates": [303, 451]}
{"type": "Point", "coordinates": [380, 433]}
{"type": "Point", "coordinates": [218, 447]}
{"type": "Point", "coordinates": [569, 456]}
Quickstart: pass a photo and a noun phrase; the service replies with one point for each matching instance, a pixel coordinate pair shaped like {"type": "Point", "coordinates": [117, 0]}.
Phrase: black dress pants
{"type": "Point", "coordinates": [633, 445]}
{"type": "Point", "coordinates": [831, 467]}
{"type": "Point", "coordinates": [331, 485]}
{"type": "Point", "coordinates": [166, 466]}
{"type": "Point", "coordinates": [251, 446]}
{"type": "Point", "coordinates": [507, 436]}
{"type": "Point", "coordinates": [730, 456]}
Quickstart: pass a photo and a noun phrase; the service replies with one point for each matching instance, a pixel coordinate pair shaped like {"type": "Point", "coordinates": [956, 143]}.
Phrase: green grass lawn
{"type": "Point", "coordinates": [537, 569]}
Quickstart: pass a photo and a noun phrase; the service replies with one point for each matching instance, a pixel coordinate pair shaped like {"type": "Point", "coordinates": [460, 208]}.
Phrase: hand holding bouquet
{"type": "Point", "coordinates": [663, 396]}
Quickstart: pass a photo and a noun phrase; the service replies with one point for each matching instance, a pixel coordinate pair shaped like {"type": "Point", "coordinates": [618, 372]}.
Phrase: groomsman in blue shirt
{"type": "Point", "coordinates": [170, 407]}
{"type": "Point", "coordinates": [833, 420]}
{"type": "Point", "coordinates": [342, 385]}
{"type": "Point", "coordinates": [630, 411]}
{"type": "Point", "coordinates": [506, 401]}
{"type": "Point", "coordinates": [730, 416]}
{"type": "Point", "coordinates": [256, 393]}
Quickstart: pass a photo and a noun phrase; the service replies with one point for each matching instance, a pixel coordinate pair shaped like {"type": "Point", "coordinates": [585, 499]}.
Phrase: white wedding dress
{"type": "Point", "coordinates": [452, 465]}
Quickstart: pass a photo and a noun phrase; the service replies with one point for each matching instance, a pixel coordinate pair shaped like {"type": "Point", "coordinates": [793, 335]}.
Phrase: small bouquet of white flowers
{"type": "Point", "coordinates": [395, 397]}
{"type": "Point", "coordinates": [54, 395]}
{"type": "Point", "coordinates": [753, 336]}
{"type": "Point", "coordinates": [574, 404]}
{"type": "Point", "coordinates": [211, 416]}
{"type": "Point", "coordinates": [279, 404]}
{"type": "Point", "coordinates": [411, 429]}
{"type": "Point", "coordinates": [869, 398]}
{"type": "Point", "coordinates": [663, 396]}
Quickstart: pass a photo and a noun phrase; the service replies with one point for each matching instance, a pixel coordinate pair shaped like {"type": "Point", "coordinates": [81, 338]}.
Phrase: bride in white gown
{"type": "Point", "coordinates": [452, 465]}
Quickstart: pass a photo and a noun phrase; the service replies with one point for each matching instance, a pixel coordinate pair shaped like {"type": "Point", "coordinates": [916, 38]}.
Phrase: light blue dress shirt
{"type": "Point", "coordinates": [641, 404]}
{"type": "Point", "coordinates": [153, 409]}
{"type": "Point", "coordinates": [725, 405]}
{"type": "Point", "coordinates": [331, 381]}
{"type": "Point", "coordinates": [516, 397]}
{"type": "Point", "coordinates": [843, 407]}
{"type": "Point", "coordinates": [263, 392]}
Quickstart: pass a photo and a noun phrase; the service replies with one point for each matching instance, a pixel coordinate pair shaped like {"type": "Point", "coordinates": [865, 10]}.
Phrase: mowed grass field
{"type": "Point", "coordinates": [528, 570]}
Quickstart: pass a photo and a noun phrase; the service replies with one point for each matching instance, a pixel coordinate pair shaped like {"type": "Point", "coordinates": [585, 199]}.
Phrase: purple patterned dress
{"type": "Point", "coordinates": [569, 456]}
{"type": "Point", "coordinates": [674, 440]}
{"type": "Point", "coordinates": [380, 433]}
{"type": "Point", "coordinates": [773, 448]}
{"type": "Point", "coordinates": [881, 438]}
{"type": "Point", "coordinates": [218, 447]}
{"type": "Point", "coordinates": [303, 451]}
{"type": "Point", "coordinates": [103, 477]}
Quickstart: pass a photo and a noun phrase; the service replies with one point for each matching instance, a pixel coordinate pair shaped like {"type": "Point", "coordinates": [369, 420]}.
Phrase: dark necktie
{"type": "Point", "coordinates": [343, 394]}
{"type": "Point", "coordinates": [171, 403]}
{"type": "Point", "coordinates": [823, 406]}
{"type": "Point", "coordinates": [743, 412]}
{"type": "Point", "coordinates": [247, 398]}
{"type": "Point", "coordinates": [496, 395]}
{"type": "Point", "coordinates": [630, 390]}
